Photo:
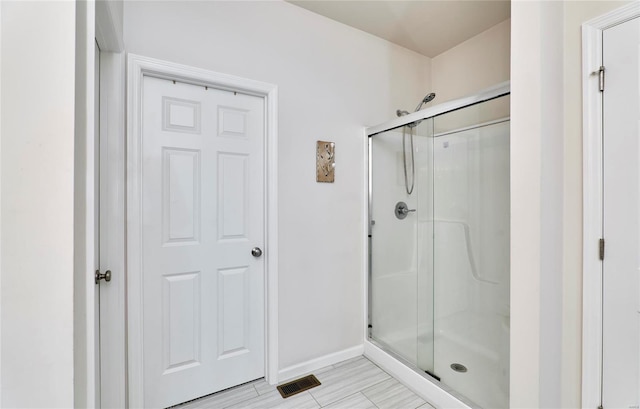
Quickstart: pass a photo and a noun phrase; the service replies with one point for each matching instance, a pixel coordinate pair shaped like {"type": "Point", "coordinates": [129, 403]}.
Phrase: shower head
{"type": "Point", "coordinates": [428, 98]}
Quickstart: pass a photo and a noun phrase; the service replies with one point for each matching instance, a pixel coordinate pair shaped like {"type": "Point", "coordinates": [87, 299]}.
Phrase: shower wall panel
{"type": "Point", "coordinates": [471, 256]}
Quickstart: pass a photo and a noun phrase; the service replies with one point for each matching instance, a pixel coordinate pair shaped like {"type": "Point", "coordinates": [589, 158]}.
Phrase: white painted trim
{"type": "Point", "coordinates": [113, 238]}
{"type": "Point", "coordinates": [271, 246]}
{"type": "Point", "coordinates": [138, 67]}
{"type": "Point", "coordinates": [86, 344]}
{"type": "Point", "coordinates": [592, 200]}
{"type": "Point", "coordinates": [614, 17]}
{"type": "Point", "coordinates": [0, 207]}
{"type": "Point", "coordinates": [437, 395]}
{"type": "Point", "coordinates": [592, 219]}
{"type": "Point", "coordinates": [135, 365]}
{"type": "Point", "coordinates": [109, 38]}
{"type": "Point", "coordinates": [110, 354]}
{"type": "Point", "coordinates": [307, 367]}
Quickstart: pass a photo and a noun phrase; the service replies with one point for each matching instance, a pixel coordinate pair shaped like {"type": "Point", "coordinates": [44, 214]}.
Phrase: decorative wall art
{"type": "Point", "coordinates": [325, 161]}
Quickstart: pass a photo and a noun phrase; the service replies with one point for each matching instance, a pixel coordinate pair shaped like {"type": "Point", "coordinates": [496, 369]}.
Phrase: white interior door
{"type": "Point", "coordinates": [202, 211]}
{"type": "Point", "coordinates": [621, 286]}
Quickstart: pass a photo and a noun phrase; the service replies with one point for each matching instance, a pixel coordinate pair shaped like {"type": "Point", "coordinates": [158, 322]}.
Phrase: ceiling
{"type": "Point", "coordinates": [428, 27]}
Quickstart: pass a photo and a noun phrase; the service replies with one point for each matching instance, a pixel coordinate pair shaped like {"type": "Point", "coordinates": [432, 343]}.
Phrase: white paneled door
{"type": "Point", "coordinates": [202, 217]}
{"type": "Point", "coordinates": [621, 265]}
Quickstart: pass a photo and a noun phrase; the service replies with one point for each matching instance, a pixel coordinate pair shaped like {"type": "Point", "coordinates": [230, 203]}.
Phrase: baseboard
{"type": "Point", "coordinates": [304, 368]}
{"type": "Point", "coordinates": [426, 389]}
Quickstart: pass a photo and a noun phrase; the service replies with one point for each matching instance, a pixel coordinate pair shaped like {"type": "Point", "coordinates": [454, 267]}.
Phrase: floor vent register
{"type": "Point", "coordinates": [299, 385]}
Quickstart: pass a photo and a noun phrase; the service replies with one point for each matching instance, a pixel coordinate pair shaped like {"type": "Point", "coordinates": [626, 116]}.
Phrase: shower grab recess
{"type": "Point", "coordinates": [402, 210]}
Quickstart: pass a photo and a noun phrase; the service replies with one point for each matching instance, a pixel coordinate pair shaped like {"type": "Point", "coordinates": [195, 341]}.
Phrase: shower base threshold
{"type": "Point", "coordinates": [434, 392]}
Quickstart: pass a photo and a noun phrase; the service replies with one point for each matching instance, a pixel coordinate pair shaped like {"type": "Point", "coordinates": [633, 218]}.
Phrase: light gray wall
{"type": "Point", "coordinates": [37, 166]}
{"type": "Point", "coordinates": [478, 63]}
{"type": "Point", "coordinates": [333, 81]}
{"type": "Point", "coordinates": [546, 176]}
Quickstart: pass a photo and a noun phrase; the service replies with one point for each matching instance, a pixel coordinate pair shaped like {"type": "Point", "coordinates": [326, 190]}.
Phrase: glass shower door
{"type": "Point", "coordinates": [401, 240]}
{"type": "Point", "coordinates": [439, 230]}
{"type": "Point", "coordinates": [471, 253]}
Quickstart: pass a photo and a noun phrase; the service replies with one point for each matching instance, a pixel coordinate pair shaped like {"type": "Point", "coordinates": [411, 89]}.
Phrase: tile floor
{"type": "Point", "coordinates": [354, 384]}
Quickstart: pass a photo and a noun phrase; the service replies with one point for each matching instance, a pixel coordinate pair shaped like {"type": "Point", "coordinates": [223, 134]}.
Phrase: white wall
{"type": "Point", "coordinates": [478, 63]}
{"type": "Point", "coordinates": [536, 204]}
{"type": "Point", "coordinates": [109, 25]}
{"type": "Point", "coordinates": [547, 200]}
{"type": "Point", "coordinates": [317, 82]}
{"type": "Point", "coordinates": [525, 203]}
{"type": "Point", "coordinates": [37, 164]}
{"type": "Point", "coordinates": [333, 80]}
{"type": "Point", "coordinates": [116, 8]}
{"type": "Point", "coordinates": [551, 159]}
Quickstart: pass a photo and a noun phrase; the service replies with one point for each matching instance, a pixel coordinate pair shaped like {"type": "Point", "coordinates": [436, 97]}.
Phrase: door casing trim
{"type": "Point", "coordinates": [592, 184]}
{"type": "Point", "coordinates": [137, 68]}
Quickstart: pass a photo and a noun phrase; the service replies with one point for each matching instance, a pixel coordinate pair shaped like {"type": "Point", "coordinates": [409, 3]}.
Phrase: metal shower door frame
{"type": "Point", "coordinates": [488, 94]}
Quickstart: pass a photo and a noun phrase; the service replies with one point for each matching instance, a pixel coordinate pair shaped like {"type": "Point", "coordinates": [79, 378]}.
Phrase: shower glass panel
{"type": "Point", "coordinates": [402, 248]}
{"type": "Point", "coordinates": [439, 277]}
{"type": "Point", "coordinates": [471, 252]}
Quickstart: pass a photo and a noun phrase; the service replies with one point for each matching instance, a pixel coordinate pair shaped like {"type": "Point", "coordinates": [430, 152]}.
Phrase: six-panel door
{"type": "Point", "coordinates": [202, 213]}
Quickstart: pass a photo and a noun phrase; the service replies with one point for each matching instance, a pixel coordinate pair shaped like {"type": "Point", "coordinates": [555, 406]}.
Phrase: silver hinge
{"type": "Point", "coordinates": [601, 248]}
{"type": "Point", "coordinates": [601, 78]}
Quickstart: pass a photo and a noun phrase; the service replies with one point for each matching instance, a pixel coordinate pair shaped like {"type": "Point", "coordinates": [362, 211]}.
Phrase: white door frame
{"type": "Point", "coordinates": [110, 388]}
{"type": "Point", "coordinates": [592, 151]}
{"type": "Point", "coordinates": [95, 22]}
{"type": "Point", "coordinates": [85, 343]}
{"type": "Point", "coordinates": [137, 68]}
{"type": "Point", "coordinates": [112, 352]}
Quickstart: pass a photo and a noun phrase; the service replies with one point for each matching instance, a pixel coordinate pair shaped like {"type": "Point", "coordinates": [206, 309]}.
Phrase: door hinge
{"type": "Point", "coordinates": [601, 248]}
{"type": "Point", "coordinates": [601, 78]}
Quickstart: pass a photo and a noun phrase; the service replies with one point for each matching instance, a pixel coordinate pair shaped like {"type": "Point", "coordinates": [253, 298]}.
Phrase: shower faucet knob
{"type": "Point", "coordinates": [402, 210]}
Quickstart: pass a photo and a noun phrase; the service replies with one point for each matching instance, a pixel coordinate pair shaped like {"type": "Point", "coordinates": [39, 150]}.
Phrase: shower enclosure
{"type": "Point", "coordinates": [439, 256]}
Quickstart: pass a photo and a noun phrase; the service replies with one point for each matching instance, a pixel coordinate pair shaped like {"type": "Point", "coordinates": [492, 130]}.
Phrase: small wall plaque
{"type": "Point", "coordinates": [325, 161]}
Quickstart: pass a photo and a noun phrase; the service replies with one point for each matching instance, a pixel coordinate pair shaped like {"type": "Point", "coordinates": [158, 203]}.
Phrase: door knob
{"type": "Point", "coordinates": [256, 252]}
{"type": "Point", "coordinates": [106, 276]}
